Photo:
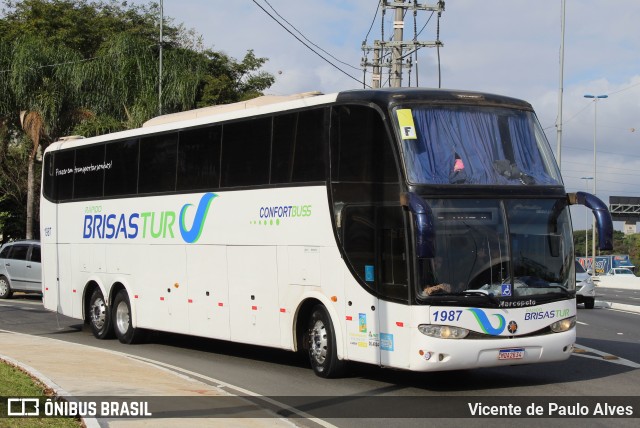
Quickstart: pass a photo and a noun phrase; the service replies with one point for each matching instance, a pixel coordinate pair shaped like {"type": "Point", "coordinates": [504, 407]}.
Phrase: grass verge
{"type": "Point", "coordinates": [16, 383]}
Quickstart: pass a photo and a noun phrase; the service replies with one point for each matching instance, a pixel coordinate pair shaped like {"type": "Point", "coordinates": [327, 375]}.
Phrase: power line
{"type": "Point", "coordinates": [307, 46]}
{"type": "Point", "coordinates": [304, 37]}
{"type": "Point", "coordinates": [624, 89]}
{"type": "Point", "coordinates": [372, 22]}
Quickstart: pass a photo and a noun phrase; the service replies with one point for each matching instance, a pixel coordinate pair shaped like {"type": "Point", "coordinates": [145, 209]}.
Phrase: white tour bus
{"type": "Point", "coordinates": [408, 228]}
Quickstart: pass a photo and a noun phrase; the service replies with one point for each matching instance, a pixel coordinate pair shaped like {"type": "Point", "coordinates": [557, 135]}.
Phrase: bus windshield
{"type": "Point", "coordinates": [482, 145]}
{"type": "Point", "coordinates": [508, 249]}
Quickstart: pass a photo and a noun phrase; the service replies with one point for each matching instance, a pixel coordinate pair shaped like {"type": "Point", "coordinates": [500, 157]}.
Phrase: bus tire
{"type": "Point", "coordinates": [5, 288]}
{"type": "Point", "coordinates": [122, 324]}
{"type": "Point", "coordinates": [589, 303]}
{"type": "Point", "coordinates": [99, 316]}
{"type": "Point", "coordinates": [323, 354]}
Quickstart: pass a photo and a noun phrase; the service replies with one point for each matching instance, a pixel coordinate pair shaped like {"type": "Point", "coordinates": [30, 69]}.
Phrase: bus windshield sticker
{"type": "Point", "coordinates": [407, 127]}
{"type": "Point", "coordinates": [506, 290]}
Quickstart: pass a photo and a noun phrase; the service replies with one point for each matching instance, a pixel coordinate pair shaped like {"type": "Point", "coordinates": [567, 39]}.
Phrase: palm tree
{"type": "Point", "coordinates": [39, 91]}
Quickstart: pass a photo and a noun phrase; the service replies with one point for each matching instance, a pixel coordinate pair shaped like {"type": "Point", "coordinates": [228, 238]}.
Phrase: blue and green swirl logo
{"type": "Point", "coordinates": [485, 324]}
{"type": "Point", "coordinates": [193, 234]}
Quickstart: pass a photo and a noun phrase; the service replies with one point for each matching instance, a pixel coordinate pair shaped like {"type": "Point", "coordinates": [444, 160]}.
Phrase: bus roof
{"type": "Point", "coordinates": [386, 96]}
{"type": "Point", "coordinates": [266, 104]}
{"type": "Point", "coordinates": [223, 108]}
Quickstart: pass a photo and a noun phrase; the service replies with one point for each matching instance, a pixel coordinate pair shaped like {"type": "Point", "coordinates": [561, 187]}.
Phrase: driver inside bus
{"type": "Point", "coordinates": [433, 286]}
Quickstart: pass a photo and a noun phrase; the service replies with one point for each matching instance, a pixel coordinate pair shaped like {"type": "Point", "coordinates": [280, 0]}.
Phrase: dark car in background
{"type": "Point", "coordinates": [20, 268]}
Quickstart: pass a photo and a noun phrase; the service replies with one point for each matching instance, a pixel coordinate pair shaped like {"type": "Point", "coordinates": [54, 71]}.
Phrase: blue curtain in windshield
{"type": "Point", "coordinates": [525, 150]}
{"type": "Point", "coordinates": [443, 135]}
{"type": "Point", "coordinates": [465, 146]}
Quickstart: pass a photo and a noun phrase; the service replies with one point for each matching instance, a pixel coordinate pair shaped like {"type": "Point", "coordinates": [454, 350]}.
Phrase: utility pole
{"type": "Point", "coordinates": [560, 89]}
{"type": "Point", "coordinates": [395, 55]}
{"type": "Point", "coordinates": [397, 48]}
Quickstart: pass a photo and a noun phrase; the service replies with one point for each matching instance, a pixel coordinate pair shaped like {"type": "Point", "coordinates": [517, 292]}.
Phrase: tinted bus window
{"type": "Point", "coordinates": [121, 176]}
{"type": "Point", "coordinates": [246, 148]}
{"type": "Point", "coordinates": [158, 156]}
{"type": "Point", "coordinates": [361, 151]}
{"type": "Point", "coordinates": [283, 151]}
{"type": "Point", "coordinates": [309, 149]}
{"type": "Point", "coordinates": [64, 163]}
{"type": "Point", "coordinates": [298, 147]}
{"type": "Point", "coordinates": [89, 172]}
{"type": "Point", "coordinates": [48, 176]}
{"type": "Point", "coordinates": [199, 158]}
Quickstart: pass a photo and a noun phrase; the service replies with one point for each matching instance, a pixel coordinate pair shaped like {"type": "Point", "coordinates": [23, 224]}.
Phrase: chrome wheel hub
{"type": "Point", "coordinates": [98, 313]}
{"type": "Point", "coordinates": [318, 345]}
{"type": "Point", "coordinates": [123, 319]}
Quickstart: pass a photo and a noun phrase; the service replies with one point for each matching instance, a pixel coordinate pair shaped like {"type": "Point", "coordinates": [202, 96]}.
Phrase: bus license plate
{"type": "Point", "coordinates": [511, 354]}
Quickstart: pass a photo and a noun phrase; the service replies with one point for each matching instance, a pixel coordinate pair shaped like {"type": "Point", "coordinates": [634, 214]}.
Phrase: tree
{"type": "Point", "coordinates": [622, 244]}
{"type": "Point", "coordinates": [42, 97]}
{"type": "Point", "coordinates": [92, 67]}
{"type": "Point", "coordinates": [228, 81]}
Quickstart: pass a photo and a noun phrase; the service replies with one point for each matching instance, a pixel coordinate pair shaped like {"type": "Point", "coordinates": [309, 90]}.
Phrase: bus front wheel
{"type": "Point", "coordinates": [122, 323]}
{"type": "Point", "coordinates": [99, 316]}
{"type": "Point", "coordinates": [323, 354]}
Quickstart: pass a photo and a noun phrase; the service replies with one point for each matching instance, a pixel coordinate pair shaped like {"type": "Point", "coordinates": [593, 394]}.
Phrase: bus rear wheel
{"type": "Point", "coordinates": [99, 316]}
{"type": "Point", "coordinates": [323, 354]}
{"type": "Point", "coordinates": [123, 326]}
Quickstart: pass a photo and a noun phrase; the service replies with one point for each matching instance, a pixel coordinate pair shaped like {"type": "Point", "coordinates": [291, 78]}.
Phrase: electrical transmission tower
{"type": "Point", "coordinates": [397, 54]}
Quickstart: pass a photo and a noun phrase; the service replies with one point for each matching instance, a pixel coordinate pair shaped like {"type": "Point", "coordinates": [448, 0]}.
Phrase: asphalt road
{"type": "Point", "coordinates": [606, 365]}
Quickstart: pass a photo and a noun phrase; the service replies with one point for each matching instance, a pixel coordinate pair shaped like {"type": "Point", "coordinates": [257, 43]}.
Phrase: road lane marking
{"type": "Point", "coordinates": [231, 388]}
{"type": "Point", "coordinates": [580, 350]}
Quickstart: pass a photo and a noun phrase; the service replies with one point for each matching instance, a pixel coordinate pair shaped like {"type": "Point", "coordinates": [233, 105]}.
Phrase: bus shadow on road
{"type": "Point", "coordinates": [575, 369]}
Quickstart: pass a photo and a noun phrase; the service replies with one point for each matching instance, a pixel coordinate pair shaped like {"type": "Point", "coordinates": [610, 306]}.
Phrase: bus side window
{"type": "Point", "coordinates": [89, 172]}
{"type": "Point", "coordinates": [49, 177]}
{"type": "Point", "coordinates": [360, 149]}
{"type": "Point", "coordinates": [158, 155]}
{"type": "Point", "coordinates": [309, 152]}
{"type": "Point", "coordinates": [199, 158]}
{"type": "Point", "coordinates": [121, 174]}
{"type": "Point", "coordinates": [246, 148]}
{"type": "Point", "coordinates": [298, 147]}
{"type": "Point", "coordinates": [64, 163]}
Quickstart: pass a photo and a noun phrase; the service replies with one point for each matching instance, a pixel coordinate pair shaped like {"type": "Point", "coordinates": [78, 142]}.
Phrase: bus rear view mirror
{"type": "Point", "coordinates": [600, 212]}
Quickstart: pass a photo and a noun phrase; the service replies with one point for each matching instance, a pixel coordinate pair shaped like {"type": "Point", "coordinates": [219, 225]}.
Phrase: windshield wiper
{"type": "Point", "coordinates": [490, 296]}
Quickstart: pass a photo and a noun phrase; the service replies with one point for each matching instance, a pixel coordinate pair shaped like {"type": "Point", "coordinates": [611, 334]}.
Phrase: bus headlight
{"type": "Point", "coordinates": [563, 325]}
{"type": "Point", "coordinates": [443, 331]}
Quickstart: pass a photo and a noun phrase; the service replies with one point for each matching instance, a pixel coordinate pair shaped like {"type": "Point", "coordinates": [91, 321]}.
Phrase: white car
{"type": "Point", "coordinates": [620, 276]}
{"type": "Point", "coordinates": [585, 288]}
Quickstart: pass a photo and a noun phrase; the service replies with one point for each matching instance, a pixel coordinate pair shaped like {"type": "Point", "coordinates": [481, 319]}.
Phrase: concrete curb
{"type": "Point", "coordinates": [57, 389]}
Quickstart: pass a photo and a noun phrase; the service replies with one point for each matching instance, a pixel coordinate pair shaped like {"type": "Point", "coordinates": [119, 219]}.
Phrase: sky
{"type": "Point", "coordinates": [508, 47]}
